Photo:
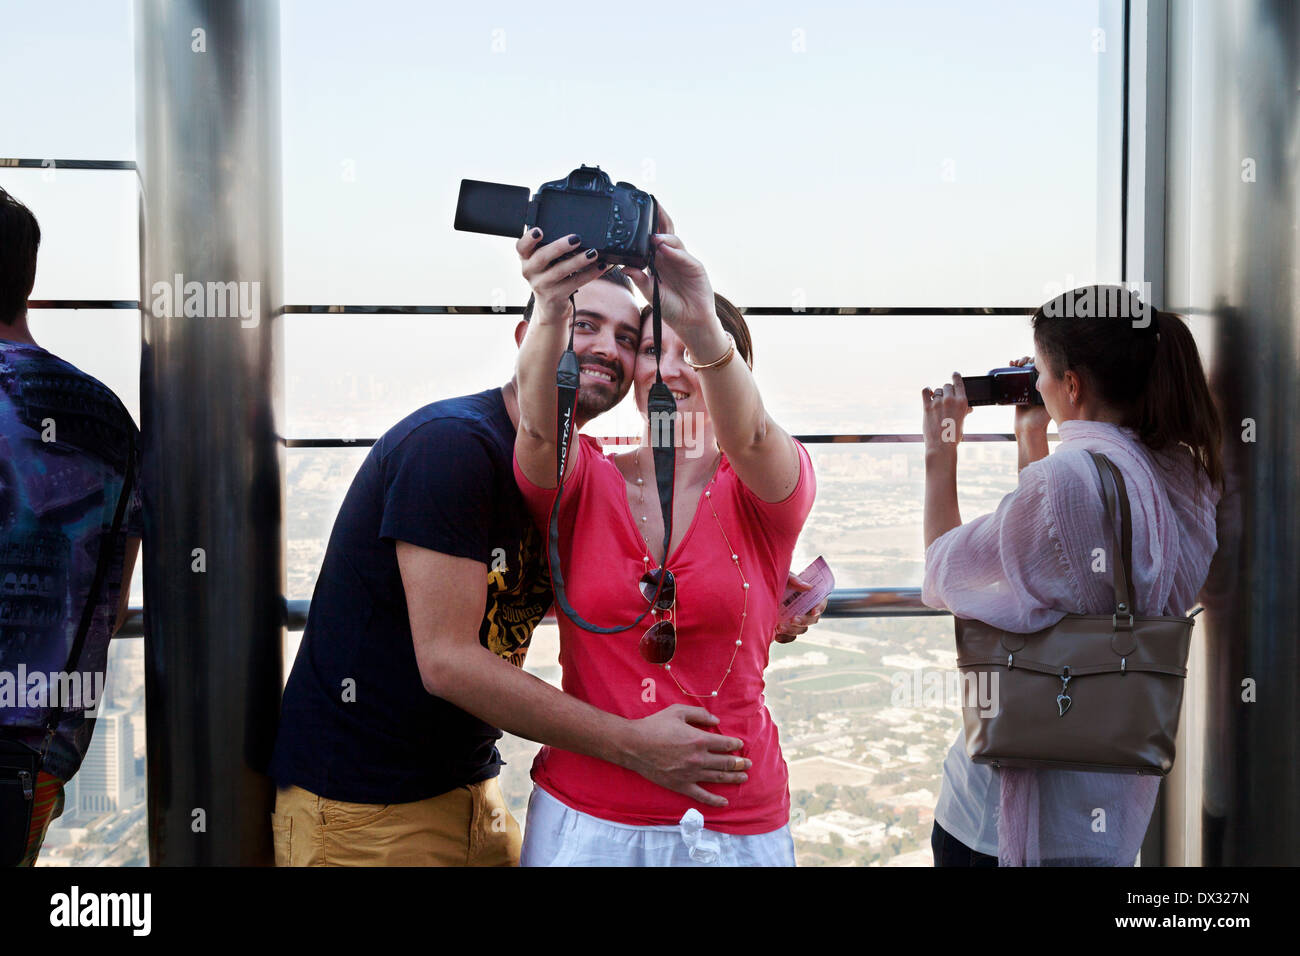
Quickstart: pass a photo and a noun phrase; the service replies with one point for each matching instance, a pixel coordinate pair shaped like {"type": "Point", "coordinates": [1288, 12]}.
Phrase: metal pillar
{"type": "Point", "coordinates": [1145, 45]}
{"type": "Point", "coordinates": [208, 148]}
{"type": "Point", "coordinates": [1232, 195]}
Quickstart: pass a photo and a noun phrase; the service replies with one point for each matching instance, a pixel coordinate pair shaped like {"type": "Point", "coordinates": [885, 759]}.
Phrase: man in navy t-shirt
{"type": "Point", "coordinates": [433, 580]}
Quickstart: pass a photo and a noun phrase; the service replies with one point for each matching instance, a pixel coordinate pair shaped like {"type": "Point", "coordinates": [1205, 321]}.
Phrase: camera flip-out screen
{"type": "Point", "coordinates": [491, 208]}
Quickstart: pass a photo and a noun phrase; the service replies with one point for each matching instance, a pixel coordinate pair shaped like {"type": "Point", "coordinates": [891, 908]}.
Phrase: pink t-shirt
{"type": "Point", "coordinates": [602, 555]}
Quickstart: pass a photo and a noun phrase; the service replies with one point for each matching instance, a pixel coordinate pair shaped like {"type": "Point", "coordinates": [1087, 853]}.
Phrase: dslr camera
{"type": "Point", "coordinates": [615, 219]}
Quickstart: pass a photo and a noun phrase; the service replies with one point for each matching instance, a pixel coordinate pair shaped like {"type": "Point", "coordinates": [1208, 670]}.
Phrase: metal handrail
{"type": "Point", "coordinates": [74, 304]}
{"type": "Point", "coordinates": [867, 438]}
{"type": "Point", "coordinates": [844, 602]}
{"type": "Point", "coordinates": [783, 310]}
{"type": "Point", "coordinates": [879, 311]}
{"type": "Point", "coordinates": [15, 163]}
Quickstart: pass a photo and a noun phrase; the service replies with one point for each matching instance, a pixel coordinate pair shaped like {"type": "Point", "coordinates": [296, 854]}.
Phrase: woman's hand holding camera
{"type": "Point", "coordinates": [1031, 427]}
{"type": "Point", "coordinates": [555, 270]}
{"type": "Point", "coordinates": [944, 411]}
{"type": "Point", "coordinates": [685, 294]}
{"type": "Point", "coordinates": [1030, 419]}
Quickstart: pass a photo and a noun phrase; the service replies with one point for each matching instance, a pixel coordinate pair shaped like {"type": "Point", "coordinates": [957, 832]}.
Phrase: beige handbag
{"type": "Point", "coordinates": [1091, 692]}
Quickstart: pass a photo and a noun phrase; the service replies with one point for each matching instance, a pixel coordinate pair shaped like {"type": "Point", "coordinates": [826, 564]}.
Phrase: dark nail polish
{"type": "Point", "coordinates": [574, 240]}
{"type": "Point", "coordinates": [591, 253]}
{"type": "Point", "coordinates": [537, 233]}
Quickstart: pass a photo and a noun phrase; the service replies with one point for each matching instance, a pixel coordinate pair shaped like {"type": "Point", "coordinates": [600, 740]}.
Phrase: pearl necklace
{"type": "Point", "coordinates": [735, 560]}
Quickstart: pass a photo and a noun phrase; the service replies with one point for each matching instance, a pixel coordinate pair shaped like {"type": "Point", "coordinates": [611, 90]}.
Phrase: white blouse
{"type": "Point", "coordinates": [1023, 568]}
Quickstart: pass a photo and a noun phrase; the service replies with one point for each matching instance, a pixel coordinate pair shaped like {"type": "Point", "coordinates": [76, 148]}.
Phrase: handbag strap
{"type": "Point", "coordinates": [92, 598]}
{"type": "Point", "coordinates": [1113, 491]}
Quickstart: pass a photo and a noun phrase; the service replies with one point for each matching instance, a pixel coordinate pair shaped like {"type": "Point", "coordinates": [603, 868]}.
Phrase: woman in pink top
{"type": "Point", "coordinates": [1125, 381]}
{"type": "Point", "coordinates": [742, 491]}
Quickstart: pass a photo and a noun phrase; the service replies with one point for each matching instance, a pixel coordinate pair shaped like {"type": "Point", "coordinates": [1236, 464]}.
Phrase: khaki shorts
{"type": "Point", "coordinates": [468, 826]}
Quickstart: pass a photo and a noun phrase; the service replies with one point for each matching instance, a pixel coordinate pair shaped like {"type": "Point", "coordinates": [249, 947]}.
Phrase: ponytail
{"type": "Point", "coordinates": [1176, 405]}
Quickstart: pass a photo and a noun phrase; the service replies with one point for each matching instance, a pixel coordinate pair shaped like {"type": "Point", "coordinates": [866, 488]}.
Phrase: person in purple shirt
{"type": "Point", "coordinates": [67, 449]}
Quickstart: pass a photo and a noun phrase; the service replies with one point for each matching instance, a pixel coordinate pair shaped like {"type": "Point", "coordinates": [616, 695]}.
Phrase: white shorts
{"type": "Point", "coordinates": [557, 835]}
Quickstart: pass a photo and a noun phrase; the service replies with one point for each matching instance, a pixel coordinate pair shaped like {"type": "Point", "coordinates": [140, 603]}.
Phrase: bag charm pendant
{"type": "Point", "coordinates": [1063, 700]}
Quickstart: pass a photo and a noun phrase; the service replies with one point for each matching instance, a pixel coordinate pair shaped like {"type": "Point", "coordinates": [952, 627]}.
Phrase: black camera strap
{"type": "Point", "coordinates": [660, 406]}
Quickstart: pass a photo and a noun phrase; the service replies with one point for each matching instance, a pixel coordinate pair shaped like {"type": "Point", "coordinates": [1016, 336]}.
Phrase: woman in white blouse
{"type": "Point", "coordinates": [1124, 380]}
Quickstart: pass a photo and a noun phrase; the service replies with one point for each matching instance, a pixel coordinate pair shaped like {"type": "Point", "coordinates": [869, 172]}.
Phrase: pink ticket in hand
{"type": "Point", "coordinates": [796, 602]}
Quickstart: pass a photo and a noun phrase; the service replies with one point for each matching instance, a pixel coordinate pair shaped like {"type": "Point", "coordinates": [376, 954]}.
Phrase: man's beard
{"type": "Point", "coordinates": [592, 403]}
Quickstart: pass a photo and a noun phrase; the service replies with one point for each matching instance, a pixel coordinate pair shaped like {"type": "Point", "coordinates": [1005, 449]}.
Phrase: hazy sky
{"type": "Point", "coordinates": [832, 153]}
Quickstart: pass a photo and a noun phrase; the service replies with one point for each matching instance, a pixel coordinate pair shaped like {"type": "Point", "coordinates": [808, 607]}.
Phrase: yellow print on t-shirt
{"type": "Point", "coordinates": [518, 595]}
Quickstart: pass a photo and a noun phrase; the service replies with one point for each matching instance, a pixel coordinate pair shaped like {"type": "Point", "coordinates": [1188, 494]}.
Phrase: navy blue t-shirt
{"type": "Point", "coordinates": [357, 723]}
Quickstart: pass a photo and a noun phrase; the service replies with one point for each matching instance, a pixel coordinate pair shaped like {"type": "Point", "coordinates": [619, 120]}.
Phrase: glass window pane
{"type": "Point", "coordinates": [316, 480]}
{"type": "Point", "coordinates": [840, 154]}
{"type": "Point", "coordinates": [104, 343]}
{"type": "Point", "coordinates": [356, 376]}
{"type": "Point", "coordinates": [868, 519]}
{"type": "Point", "coordinates": [104, 820]}
{"type": "Point", "coordinates": [70, 79]}
{"type": "Point", "coordinates": [865, 752]}
{"type": "Point", "coordinates": [848, 374]}
{"type": "Point", "coordinates": [866, 522]}
{"type": "Point", "coordinates": [89, 231]}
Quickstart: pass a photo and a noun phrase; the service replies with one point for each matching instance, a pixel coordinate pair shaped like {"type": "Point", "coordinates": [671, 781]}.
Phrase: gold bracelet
{"type": "Point", "coordinates": [720, 363]}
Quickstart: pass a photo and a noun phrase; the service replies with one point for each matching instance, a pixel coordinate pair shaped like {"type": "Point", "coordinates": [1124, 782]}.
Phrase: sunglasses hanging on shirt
{"type": "Point", "coordinates": [661, 406]}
